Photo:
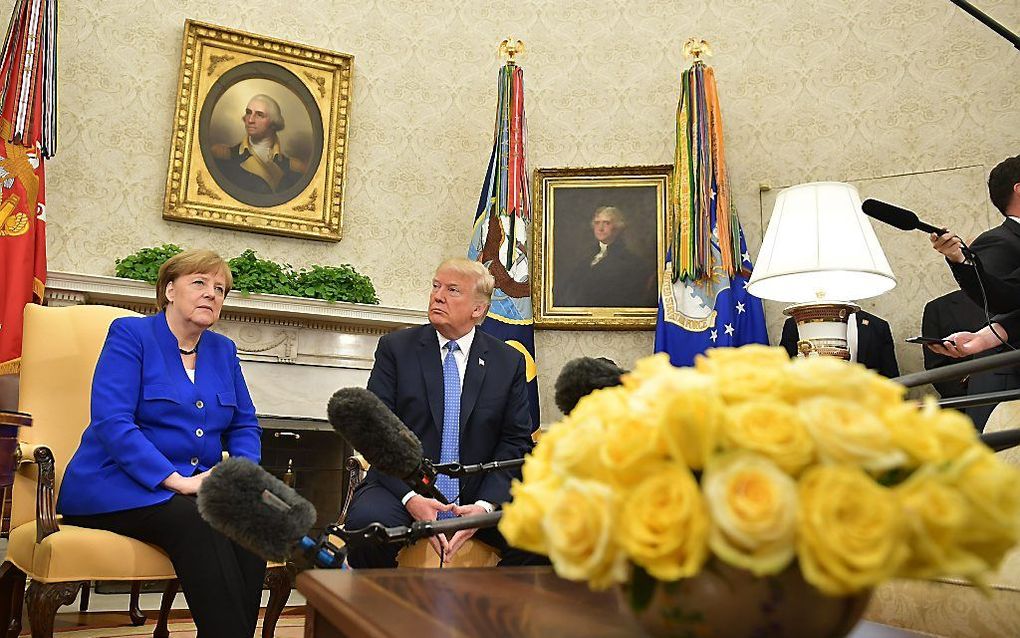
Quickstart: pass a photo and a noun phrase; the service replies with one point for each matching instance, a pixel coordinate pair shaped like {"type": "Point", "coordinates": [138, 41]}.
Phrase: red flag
{"type": "Point", "coordinates": [27, 135]}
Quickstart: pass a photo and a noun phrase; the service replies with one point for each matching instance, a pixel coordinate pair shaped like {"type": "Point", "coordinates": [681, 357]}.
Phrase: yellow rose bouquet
{"type": "Point", "coordinates": [763, 464]}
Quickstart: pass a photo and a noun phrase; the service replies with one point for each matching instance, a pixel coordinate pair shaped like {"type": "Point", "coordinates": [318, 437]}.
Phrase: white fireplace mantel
{"type": "Point", "coordinates": [295, 352]}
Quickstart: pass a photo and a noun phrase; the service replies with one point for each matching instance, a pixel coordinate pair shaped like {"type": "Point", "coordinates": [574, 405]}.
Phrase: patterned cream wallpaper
{"type": "Point", "coordinates": [828, 89]}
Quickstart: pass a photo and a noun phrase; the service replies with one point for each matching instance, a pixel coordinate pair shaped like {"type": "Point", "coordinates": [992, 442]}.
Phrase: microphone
{"type": "Point", "coordinates": [1001, 440]}
{"type": "Point", "coordinates": [372, 429]}
{"type": "Point", "coordinates": [898, 217]}
{"type": "Point", "coordinates": [580, 377]}
{"type": "Point", "coordinates": [261, 513]}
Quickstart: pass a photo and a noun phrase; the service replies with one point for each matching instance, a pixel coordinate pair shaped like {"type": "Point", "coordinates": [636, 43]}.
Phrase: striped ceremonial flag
{"type": "Point", "coordinates": [502, 228]}
{"type": "Point", "coordinates": [27, 135]}
{"type": "Point", "coordinates": [703, 302]}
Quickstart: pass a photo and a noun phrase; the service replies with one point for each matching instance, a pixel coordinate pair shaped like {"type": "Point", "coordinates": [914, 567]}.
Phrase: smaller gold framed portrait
{"type": "Point", "coordinates": [260, 135]}
{"type": "Point", "coordinates": [599, 237]}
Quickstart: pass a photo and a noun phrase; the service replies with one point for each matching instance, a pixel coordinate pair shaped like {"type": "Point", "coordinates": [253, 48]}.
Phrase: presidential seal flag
{"type": "Point", "coordinates": [502, 229]}
{"type": "Point", "coordinates": [27, 135]}
{"type": "Point", "coordinates": [703, 301]}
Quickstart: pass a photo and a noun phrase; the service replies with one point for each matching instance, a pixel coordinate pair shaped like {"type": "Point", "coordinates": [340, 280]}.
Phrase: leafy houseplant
{"type": "Point", "coordinates": [255, 275]}
{"type": "Point", "coordinates": [723, 496]}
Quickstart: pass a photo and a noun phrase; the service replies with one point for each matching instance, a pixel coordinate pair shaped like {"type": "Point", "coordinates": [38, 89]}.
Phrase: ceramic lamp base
{"type": "Point", "coordinates": [821, 326]}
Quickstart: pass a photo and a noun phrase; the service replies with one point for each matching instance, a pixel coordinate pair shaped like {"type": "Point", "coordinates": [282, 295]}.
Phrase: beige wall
{"type": "Point", "coordinates": [833, 89]}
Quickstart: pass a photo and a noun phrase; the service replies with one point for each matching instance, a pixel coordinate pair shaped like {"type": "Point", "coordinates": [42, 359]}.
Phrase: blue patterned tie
{"type": "Point", "coordinates": [449, 450]}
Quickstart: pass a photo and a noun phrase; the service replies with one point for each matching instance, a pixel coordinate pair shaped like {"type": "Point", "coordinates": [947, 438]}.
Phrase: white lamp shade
{"type": "Point", "coordinates": [819, 245]}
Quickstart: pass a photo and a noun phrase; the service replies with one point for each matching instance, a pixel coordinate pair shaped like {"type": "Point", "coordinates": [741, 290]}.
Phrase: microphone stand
{"type": "Point", "coordinates": [973, 401]}
{"type": "Point", "coordinates": [457, 469]}
{"type": "Point", "coordinates": [986, 20]}
{"type": "Point", "coordinates": [960, 370]}
{"type": "Point", "coordinates": [378, 533]}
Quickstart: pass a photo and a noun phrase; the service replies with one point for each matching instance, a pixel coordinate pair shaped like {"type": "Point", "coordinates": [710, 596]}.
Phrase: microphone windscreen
{"type": "Point", "coordinates": [254, 509]}
{"type": "Point", "coordinates": [374, 431]}
{"type": "Point", "coordinates": [893, 215]}
{"type": "Point", "coordinates": [581, 377]}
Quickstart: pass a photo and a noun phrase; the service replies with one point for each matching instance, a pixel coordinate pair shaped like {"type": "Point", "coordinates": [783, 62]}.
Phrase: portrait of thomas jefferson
{"type": "Point", "coordinates": [257, 163]}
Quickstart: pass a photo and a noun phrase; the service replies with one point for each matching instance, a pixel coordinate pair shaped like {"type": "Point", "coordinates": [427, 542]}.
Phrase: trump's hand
{"type": "Point", "coordinates": [426, 509]}
{"type": "Point", "coordinates": [949, 245]}
{"type": "Point", "coordinates": [459, 538]}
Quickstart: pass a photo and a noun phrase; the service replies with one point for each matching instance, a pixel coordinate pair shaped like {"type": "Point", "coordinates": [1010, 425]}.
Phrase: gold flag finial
{"type": "Point", "coordinates": [696, 48]}
{"type": "Point", "coordinates": [510, 47]}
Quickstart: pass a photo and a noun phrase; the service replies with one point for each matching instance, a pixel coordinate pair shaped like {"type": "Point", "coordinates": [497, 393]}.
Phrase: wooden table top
{"type": "Point", "coordinates": [463, 603]}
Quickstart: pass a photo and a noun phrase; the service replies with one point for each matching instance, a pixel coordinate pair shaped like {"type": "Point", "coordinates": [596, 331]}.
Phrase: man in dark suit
{"type": "Point", "coordinates": [945, 315]}
{"type": "Point", "coordinates": [995, 277]}
{"type": "Point", "coordinates": [872, 347]}
{"type": "Point", "coordinates": [463, 393]}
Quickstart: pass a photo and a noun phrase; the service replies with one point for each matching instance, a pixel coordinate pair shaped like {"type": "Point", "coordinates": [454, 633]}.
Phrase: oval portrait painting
{"type": "Point", "coordinates": [261, 134]}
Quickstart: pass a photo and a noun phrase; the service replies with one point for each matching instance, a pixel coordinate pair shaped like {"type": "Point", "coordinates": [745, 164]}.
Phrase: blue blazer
{"type": "Point", "coordinates": [495, 414]}
{"type": "Point", "coordinates": [149, 420]}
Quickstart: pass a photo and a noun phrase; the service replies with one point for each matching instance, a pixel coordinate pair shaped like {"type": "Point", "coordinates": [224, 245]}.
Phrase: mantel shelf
{"type": "Point", "coordinates": [77, 288]}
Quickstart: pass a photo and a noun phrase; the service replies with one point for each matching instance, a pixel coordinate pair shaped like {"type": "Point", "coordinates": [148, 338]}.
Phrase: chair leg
{"type": "Point", "coordinates": [134, 608]}
{"type": "Point", "coordinates": [44, 599]}
{"type": "Point", "coordinates": [12, 595]}
{"type": "Point", "coordinates": [86, 589]}
{"type": "Point", "coordinates": [161, 630]}
{"type": "Point", "coordinates": [279, 581]}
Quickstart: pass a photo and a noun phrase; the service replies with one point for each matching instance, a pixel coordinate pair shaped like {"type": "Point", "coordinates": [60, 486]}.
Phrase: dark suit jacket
{"type": "Point", "coordinates": [952, 312]}
{"type": "Point", "coordinates": [495, 419]}
{"type": "Point", "coordinates": [875, 348]}
{"type": "Point", "coordinates": [998, 251]}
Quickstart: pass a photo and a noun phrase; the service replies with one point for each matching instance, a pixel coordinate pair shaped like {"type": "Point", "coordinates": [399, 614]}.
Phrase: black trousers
{"type": "Point", "coordinates": [221, 581]}
{"type": "Point", "coordinates": [373, 503]}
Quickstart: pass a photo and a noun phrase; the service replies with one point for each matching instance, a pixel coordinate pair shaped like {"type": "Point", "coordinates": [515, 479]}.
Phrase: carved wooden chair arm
{"type": "Point", "coordinates": [356, 467]}
{"type": "Point", "coordinates": [45, 495]}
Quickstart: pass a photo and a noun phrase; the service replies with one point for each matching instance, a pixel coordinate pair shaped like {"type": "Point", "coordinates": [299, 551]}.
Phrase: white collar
{"type": "Point", "coordinates": [463, 342]}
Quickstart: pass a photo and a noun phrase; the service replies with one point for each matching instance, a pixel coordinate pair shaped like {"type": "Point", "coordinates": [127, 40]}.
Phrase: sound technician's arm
{"type": "Point", "coordinates": [999, 268]}
{"type": "Point", "coordinates": [382, 382]}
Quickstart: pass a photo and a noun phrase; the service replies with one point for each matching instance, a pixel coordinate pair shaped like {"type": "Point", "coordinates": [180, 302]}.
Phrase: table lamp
{"type": "Point", "coordinates": [820, 253]}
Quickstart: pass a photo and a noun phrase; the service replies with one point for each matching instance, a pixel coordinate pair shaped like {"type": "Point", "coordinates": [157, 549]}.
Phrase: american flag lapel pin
{"type": "Point", "coordinates": [864, 322]}
{"type": "Point", "coordinates": [481, 361]}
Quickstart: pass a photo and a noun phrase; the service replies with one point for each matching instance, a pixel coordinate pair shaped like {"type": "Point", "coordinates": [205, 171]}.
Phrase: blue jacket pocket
{"type": "Point", "coordinates": [160, 392]}
{"type": "Point", "coordinates": [227, 399]}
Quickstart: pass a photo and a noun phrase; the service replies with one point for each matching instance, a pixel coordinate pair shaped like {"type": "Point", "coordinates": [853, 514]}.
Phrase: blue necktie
{"type": "Point", "coordinates": [449, 450]}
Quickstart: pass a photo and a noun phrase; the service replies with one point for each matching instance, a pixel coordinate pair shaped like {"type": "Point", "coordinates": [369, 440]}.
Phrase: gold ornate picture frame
{"type": "Point", "coordinates": [598, 245]}
{"type": "Point", "coordinates": [260, 135]}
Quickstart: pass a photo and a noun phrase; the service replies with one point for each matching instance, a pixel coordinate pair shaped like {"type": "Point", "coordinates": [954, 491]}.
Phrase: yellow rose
{"type": "Point", "coordinates": [631, 448]}
{"type": "Point", "coordinates": [992, 490]}
{"type": "Point", "coordinates": [664, 524]}
{"type": "Point", "coordinates": [686, 408]}
{"type": "Point", "coordinates": [521, 523]}
{"type": "Point", "coordinates": [578, 438]}
{"type": "Point", "coordinates": [936, 515]}
{"type": "Point", "coordinates": [954, 430]}
{"type": "Point", "coordinates": [648, 369]}
{"type": "Point", "coordinates": [754, 512]}
{"type": "Point", "coordinates": [772, 429]}
{"type": "Point", "coordinates": [744, 373]}
{"type": "Point", "coordinates": [579, 531]}
{"type": "Point", "coordinates": [844, 432]}
{"type": "Point", "coordinates": [912, 432]}
{"type": "Point", "coordinates": [850, 531]}
{"type": "Point", "coordinates": [811, 377]}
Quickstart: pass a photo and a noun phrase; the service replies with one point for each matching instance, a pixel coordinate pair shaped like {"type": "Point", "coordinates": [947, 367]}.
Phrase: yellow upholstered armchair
{"type": "Point", "coordinates": [60, 350]}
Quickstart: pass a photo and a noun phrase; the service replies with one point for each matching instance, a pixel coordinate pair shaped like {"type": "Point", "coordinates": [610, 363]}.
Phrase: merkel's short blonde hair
{"type": "Point", "coordinates": [485, 283]}
{"type": "Point", "coordinates": [189, 262]}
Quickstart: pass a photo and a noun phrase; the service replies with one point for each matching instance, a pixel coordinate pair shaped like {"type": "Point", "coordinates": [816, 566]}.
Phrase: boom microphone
{"type": "Point", "coordinates": [898, 217]}
{"type": "Point", "coordinates": [580, 377]}
{"type": "Point", "coordinates": [254, 509]}
{"type": "Point", "coordinates": [386, 443]}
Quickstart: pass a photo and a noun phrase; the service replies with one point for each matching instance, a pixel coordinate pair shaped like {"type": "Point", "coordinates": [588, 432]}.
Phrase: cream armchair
{"type": "Point", "coordinates": [60, 350]}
